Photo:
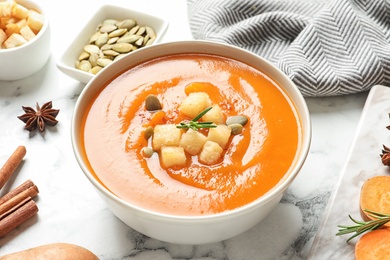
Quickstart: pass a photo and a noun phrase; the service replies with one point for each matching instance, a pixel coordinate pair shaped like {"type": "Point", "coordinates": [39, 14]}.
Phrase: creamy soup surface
{"type": "Point", "coordinates": [253, 162]}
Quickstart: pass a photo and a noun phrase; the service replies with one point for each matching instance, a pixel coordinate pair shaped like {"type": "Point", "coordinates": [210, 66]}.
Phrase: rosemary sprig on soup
{"type": "Point", "coordinates": [194, 124]}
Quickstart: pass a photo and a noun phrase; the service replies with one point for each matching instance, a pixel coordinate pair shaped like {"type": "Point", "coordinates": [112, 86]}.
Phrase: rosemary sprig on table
{"type": "Point", "coordinates": [364, 226]}
{"type": "Point", "coordinates": [194, 124]}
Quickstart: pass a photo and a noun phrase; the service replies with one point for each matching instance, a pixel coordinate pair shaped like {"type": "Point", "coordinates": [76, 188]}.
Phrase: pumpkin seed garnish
{"type": "Point", "coordinates": [152, 103]}
{"type": "Point", "coordinates": [112, 40]}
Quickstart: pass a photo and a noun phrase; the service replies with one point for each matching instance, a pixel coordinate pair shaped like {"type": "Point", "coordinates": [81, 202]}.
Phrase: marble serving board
{"type": "Point", "coordinates": [363, 162]}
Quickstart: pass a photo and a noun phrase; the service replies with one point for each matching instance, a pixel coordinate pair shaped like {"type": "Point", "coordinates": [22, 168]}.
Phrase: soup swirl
{"type": "Point", "coordinates": [252, 162]}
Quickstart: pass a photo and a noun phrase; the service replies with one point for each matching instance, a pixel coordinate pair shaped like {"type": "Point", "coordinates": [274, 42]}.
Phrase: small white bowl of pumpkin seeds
{"type": "Point", "coordinates": [111, 33]}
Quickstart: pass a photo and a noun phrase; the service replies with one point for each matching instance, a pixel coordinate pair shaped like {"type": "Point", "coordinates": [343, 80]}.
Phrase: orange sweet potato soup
{"type": "Point", "coordinates": [229, 176]}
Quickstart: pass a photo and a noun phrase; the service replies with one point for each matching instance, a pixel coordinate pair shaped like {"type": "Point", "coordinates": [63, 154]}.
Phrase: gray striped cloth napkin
{"type": "Point", "coordinates": [327, 47]}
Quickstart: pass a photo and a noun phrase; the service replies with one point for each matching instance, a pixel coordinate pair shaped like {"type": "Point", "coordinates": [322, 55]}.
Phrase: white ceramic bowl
{"type": "Point", "coordinates": [67, 61]}
{"type": "Point", "coordinates": [23, 61]}
{"type": "Point", "coordinates": [192, 229]}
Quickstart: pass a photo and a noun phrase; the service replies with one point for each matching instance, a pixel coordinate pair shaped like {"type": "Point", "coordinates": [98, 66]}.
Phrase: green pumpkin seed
{"type": "Point", "coordinates": [141, 30]}
{"type": "Point", "coordinates": [117, 32]}
{"type": "Point", "coordinates": [148, 132]}
{"type": "Point", "coordinates": [242, 120]}
{"type": "Point", "coordinates": [83, 56]}
{"type": "Point", "coordinates": [150, 32]}
{"type": "Point", "coordinates": [111, 53]}
{"type": "Point", "coordinates": [101, 40]}
{"type": "Point", "coordinates": [101, 54]}
{"type": "Point", "coordinates": [140, 41]}
{"type": "Point", "coordinates": [122, 47]}
{"type": "Point", "coordinates": [134, 29]}
{"type": "Point", "coordinates": [91, 48]}
{"type": "Point", "coordinates": [106, 47]}
{"type": "Point", "coordinates": [110, 22]}
{"type": "Point", "coordinates": [103, 62]}
{"type": "Point", "coordinates": [84, 65]}
{"type": "Point", "coordinates": [150, 42]}
{"type": "Point", "coordinates": [94, 37]}
{"type": "Point", "coordinates": [235, 129]}
{"type": "Point", "coordinates": [93, 59]}
{"type": "Point", "coordinates": [126, 24]}
{"type": "Point", "coordinates": [108, 28]}
{"type": "Point", "coordinates": [147, 152]}
{"type": "Point", "coordinates": [112, 40]}
{"type": "Point", "coordinates": [146, 39]}
{"type": "Point", "coordinates": [152, 103]}
{"type": "Point", "coordinates": [129, 38]}
{"type": "Point", "coordinates": [95, 70]}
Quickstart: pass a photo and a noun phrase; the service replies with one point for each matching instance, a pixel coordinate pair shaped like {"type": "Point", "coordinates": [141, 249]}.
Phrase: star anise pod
{"type": "Point", "coordinates": [44, 115]}
{"type": "Point", "coordinates": [385, 156]}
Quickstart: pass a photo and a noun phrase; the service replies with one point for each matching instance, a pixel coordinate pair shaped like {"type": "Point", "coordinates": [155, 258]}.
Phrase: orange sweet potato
{"type": "Point", "coordinates": [375, 196]}
{"type": "Point", "coordinates": [374, 245]}
{"type": "Point", "coordinates": [58, 251]}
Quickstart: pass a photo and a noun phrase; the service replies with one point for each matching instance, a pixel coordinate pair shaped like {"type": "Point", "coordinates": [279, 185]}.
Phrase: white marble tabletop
{"type": "Point", "coordinates": [363, 162]}
{"type": "Point", "coordinates": [69, 208]}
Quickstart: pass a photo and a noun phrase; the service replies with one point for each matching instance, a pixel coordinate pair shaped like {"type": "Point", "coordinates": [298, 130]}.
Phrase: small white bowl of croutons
{"type": "Point", "coordinates": [24, 39]}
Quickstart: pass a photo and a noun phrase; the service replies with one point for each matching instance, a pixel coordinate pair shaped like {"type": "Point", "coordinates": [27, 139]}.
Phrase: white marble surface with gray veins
{"type": "Point", "coordinates": [70, 209]}
{"type": "Point", "coordinates": [363, 162]}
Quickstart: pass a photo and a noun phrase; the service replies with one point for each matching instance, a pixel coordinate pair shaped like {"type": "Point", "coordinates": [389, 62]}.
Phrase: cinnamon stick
{"type": "Point", "coordinates": [14, 201]}
{"type": "Point", "coordinates": [11, 164]}
{"type": "Point", "coordinates": [17, 206]}
{"type": "Point", "coordinates": [24, 186]}
{"type": "Point", "coordinates": [18, 217]}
